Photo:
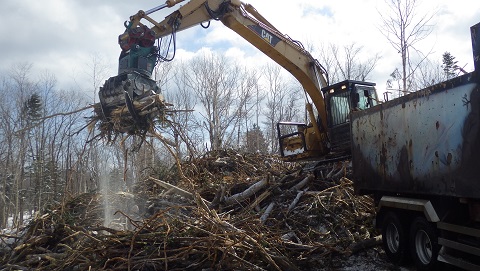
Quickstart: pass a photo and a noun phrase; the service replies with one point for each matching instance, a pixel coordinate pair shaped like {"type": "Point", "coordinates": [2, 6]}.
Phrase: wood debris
{"type": "Point", "coordinates": [244, 212]}
{"type": "Point", "coordinates": [149, 111]}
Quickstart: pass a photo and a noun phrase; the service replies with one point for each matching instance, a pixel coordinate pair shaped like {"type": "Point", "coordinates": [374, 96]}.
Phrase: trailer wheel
{"type": "Point", "coordinates": [395, 239]}
{"type": "Point", "coordinates": [424, 244]}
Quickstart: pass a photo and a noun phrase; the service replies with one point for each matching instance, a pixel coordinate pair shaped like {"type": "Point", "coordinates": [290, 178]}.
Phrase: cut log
{"type": "Point", "coordinates": [304, 182]}
{"type": "Point", "coordinates": [259, 199]}
{"type": "Point", "coordinates": [296, 200]}
{"type": "Point", "coordinates": [267, 212]}
{"type": "Point", "coordinates": [177, 190]}
{"type": "Point", "coordinates": [239, 197]}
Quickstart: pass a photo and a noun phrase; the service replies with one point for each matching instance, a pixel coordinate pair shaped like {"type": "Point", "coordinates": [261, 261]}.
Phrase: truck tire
{"type": "Point", "coordinates": [394, 238]}
{"type": "Point", "coordinates": [424, 244]}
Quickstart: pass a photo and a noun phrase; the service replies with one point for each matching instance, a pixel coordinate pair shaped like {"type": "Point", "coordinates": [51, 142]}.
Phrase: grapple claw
{"type": "Point", "coordinates": [130, 102]}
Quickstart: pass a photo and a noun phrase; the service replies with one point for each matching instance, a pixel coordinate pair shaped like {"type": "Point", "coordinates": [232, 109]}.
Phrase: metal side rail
{"type": "Point", "coordinates": [449, 245]}
{"type": "Point", "coordinates": [455, 261]}
{"type": "Point", "coordinates": [459, 229]}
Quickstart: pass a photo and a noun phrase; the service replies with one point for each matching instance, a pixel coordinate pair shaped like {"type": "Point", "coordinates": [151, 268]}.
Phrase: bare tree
{"type": "Point", "coordinates": [35, 151]}
{"type": "Point", "coordinates": [247, 85]}
{"type": "Point", "coordinates": [349, 65]}
{"type": "Point", "coordinates": [186, 132]}
{"type": "Point", "coordinates": [164, 74]}
{"type": "Point", "coordinates": [21, 88]}
{"type": "Point", "coordinates": [7, 147]}
{"type": "Point", "coordinates": [97, 72]}
{"type": "Point", "coordinates": [282, 99]}
{"type": "Point", "coordinates": [328, 61]}
{"type": "Point", "coordinates": [430, 74]}
{"type": "Point", "coordinates": [404, 28]}
{"type": "Point", "coordinates": [217, 84]}
{"type": "Point", "coordinates": [346, 62]}
{"type": "Point", "coordinates": [394, 84]}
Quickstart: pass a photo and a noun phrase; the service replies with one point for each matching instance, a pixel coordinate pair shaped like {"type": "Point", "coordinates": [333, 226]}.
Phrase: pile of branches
{"type": "Point", "coordinates": [281, 218]}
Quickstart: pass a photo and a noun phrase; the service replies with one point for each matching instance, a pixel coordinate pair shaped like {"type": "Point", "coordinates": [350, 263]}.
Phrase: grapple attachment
{"type": "Point", "coordinates": [130, 103]}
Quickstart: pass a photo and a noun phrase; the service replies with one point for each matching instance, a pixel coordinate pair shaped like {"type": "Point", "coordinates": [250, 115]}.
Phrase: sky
{"type": "Point", "coordinates": [65, 38]}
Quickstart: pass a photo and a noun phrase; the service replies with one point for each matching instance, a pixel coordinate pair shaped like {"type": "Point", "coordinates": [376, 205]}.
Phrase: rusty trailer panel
{"type": "Point", "coordinates": [475, 33]}
{"type": "Point", "coordinates": [425, 143]}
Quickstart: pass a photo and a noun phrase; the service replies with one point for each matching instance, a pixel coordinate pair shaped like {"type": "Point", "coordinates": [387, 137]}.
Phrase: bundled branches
{"type": "Point", "coordinates": [148, 111]}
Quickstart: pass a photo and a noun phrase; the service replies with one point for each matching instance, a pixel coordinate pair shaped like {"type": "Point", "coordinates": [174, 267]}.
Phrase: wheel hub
{"type": "Point", "coordinates": [393, 238]}
{"type": "Point", "coordinates": [423, 247]}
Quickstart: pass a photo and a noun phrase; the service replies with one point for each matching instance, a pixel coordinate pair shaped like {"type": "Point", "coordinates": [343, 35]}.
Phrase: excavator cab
{"type": "Point", "coordinates": [340, 100]}
{"type": "Point", "coordinates": [299, 141]}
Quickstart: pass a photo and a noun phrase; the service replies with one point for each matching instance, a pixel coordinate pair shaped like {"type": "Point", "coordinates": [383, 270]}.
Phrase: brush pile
{"type": "Point", "coordinates": [231, 212]}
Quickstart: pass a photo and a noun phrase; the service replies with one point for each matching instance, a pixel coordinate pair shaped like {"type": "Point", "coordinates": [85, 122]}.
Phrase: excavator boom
{"type": "Point", "coordinates": [254, 28]}
{"type": "Point", "coordinates": [139, 56]}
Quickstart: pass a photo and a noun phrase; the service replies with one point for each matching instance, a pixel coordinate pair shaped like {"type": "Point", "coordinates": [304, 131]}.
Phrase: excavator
{"type": "Point", "coordinates": [326, 135]}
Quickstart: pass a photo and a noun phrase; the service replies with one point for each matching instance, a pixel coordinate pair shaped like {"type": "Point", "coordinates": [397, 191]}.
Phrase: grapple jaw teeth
{"type": "Point", "coordinates": [131, 107]}
{"type": "Point", "coordinates": [130, 103]}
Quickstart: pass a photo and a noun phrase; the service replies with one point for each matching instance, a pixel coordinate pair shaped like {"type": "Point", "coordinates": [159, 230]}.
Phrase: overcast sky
{"type": "Point", "coordinates": [63, 36]}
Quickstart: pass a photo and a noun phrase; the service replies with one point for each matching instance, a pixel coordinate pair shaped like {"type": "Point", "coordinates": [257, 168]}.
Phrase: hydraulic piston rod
{"type": "Point", "coordinates": [169, 3]}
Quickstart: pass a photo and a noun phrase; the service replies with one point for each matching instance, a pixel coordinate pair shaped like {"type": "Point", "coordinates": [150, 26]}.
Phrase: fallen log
{"type": "Point", "coordinates": [9, 236]}
{"type": "Point", "coordinates": [365, 244]}
{"type": "Point", "coordinates": [239, 197]}
{"type": "Point", "coordinates": [296, 200]}
{"type": "Point", "coordinates": [259, 200]}
{"type": "Point", "coordinates": [267, 213]}
{"type": "Point", "coordinates": [213, 215]}
{"type": "Point", "coordinates": [303, 183]}
{"type": "Point", "coordinates": [340, 173]}
{"type": "Point", "coordinates": [172, 187]}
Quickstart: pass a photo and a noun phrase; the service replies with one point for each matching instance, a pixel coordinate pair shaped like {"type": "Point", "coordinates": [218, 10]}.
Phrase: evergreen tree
{"type": "Point", "coordinates": [255, 141]}
{"type": "Point", "coordinates": [33, 107]}
{"type": "Point", "coordinates": [449, 65]}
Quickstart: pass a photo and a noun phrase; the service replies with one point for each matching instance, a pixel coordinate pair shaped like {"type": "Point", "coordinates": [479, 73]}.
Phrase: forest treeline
{"type": "Point", "coordinates": [221, 104]}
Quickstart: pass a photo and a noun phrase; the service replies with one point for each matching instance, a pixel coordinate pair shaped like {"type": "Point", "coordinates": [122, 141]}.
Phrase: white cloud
{"type": "Point", "coordinates": [62, 35]}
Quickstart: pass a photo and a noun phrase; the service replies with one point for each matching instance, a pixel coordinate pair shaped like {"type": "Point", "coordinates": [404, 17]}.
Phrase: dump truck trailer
{"type": "Point", "coordinates": [419, 156]}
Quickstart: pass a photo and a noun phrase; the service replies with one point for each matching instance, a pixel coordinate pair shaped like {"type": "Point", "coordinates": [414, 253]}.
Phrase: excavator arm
{"type": "Point", "coordinates": [244, 20]}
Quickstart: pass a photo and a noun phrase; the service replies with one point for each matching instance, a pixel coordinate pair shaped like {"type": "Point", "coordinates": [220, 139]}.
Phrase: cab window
{"type": "Point", "coordinates": [366, 98]}
{"type": "Point", "coordinates": [340, 108]}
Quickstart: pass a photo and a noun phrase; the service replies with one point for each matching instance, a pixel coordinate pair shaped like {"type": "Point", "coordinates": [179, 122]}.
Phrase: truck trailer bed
{"type": "Point", "coordinates": [424, 143]}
